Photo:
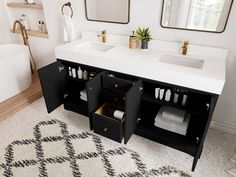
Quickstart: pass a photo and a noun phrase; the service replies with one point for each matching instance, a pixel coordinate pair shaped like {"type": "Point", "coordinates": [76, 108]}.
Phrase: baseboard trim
{"type": "Point", "coordinates": [223, 127]}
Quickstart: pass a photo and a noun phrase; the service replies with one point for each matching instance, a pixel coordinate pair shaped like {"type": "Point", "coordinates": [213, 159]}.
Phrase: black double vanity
{"type": "Point", "coordinates": [108, 91]}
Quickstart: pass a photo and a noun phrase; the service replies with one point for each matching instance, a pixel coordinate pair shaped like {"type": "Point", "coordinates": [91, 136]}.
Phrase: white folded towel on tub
{"type": "Point", "coordinates": [68, 27]}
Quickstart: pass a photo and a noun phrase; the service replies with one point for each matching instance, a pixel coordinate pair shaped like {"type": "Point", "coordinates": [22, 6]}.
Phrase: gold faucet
{"type": "Point", "coordinates": [26, 42]}
{"type": "Point", "coordinates": [185, 47]}
{"type": "Point", "coordinates": [23, 31]}
{"type": "Point", "coordinates": [104, 36]}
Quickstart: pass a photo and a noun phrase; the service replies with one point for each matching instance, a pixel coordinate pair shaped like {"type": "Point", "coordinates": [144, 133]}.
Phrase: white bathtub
{"type": "Point", "coordinates": [15, 73]}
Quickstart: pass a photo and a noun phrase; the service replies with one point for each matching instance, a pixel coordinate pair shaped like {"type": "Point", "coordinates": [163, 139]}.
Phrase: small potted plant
{"type": "Point", "coordinates": [143, 34]}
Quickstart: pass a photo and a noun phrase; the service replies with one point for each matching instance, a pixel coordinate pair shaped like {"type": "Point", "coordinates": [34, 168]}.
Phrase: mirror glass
{"type": "Point", "coordinates": [112, 11]}
{"type": "Point", "coordinates": [197, 15]}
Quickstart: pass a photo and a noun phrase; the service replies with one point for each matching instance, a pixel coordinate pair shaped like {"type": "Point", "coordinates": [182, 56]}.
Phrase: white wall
{"type": "Point", "coordinates": [146, 13]}
{"type": "Point", "coordinates": [117, 10]}
{"type": "Point", "coordinates": [4, 25]}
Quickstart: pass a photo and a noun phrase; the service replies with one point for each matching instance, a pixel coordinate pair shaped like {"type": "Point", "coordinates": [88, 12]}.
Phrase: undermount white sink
{"type": "Point", "coordinates": [97, 46]}
{"type": "Point", "coordinates": [182, 61]}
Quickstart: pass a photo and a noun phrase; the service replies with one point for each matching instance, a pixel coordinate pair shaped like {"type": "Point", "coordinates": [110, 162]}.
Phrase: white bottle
{"type": "Point", "coordinates": [161, 96]}
{"type": "Point", "coordinates": [73, 73]}
{"type": "Point", "coordinates": [168, 95]}
{"type": "Point", "coordinates": [157, 90]}
{"type": "Point", "coordinates": [176, 96]}
{"type": "Point", "coordinates": [185, 97]}
{"type": "Point", "coordinates": [80, 73]}
{"type": "Point", "coordinates": [85, 75]}
{"type": "Point", "coordinates": [44, 27]}
{"type": "Point", "coordinates": [30, 1]}
{"type": "Point", "coordinates": [70, 72]}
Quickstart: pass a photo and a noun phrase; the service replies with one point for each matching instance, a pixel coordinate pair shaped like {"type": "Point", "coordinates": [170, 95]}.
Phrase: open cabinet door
{"type": "Point", "coordinates": [133, 99]}
{"type": "Point", "coordinates": [53, 83]}
{"type": "Point", "coordinates": [94, 94]}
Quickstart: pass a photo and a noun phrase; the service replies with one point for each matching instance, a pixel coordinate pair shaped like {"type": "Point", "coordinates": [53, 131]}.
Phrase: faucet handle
{"type": "Point", "coordinates": [103, 35]}
{"type": "Point", "coordinates": [185, 43]}
{"type": "Point", "coordinates": [103, 32]}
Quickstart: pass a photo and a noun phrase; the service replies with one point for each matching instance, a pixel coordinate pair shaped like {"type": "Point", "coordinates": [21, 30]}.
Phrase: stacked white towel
{"type": "Point", "coordinates": [83, 95]}
{"type": "Point", "coordinates": [176, 122]}
{"type": "Point", "coordinates": [173, 114]}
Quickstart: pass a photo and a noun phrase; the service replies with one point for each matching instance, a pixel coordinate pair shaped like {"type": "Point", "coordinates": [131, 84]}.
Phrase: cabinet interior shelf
{"type": "Point", "coordinates": [76, 80]}
{"type": "Point", "coordinates": [189, 109]}
{"type": "Point", "coordinates": [33, 33]}
{"type": "Point", "coordinates": [23, 5]}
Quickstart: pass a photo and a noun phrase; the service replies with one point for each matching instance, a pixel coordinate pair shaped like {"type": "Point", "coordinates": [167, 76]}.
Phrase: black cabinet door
{"type": "Point", "coordinates": [133, 99]}
{"type": "Point", "coordinates": [94, 94]}
{"type": "Point", "coordinates": [53, 83]}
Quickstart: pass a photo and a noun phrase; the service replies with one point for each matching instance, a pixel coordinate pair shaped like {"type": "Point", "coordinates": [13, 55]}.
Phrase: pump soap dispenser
{"type": "Point", "coordinates": [133, 43]}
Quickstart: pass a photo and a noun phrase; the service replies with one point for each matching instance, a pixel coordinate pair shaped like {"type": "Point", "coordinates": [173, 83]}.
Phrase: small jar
{"type": "Point", "coordinates": [91, 75]}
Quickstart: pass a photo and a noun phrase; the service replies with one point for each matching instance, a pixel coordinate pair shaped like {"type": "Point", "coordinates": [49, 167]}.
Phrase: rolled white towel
{"type": "Point", "coordinates": [173, 114]}
{"type": "Point", "coordinates": [118, 114]}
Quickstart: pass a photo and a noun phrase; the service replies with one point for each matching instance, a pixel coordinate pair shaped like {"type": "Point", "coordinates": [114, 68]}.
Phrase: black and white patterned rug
{"type": "Point", "coordinates": [55, 152]}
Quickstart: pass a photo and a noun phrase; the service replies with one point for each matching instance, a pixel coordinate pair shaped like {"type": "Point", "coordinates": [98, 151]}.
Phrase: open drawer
{"type": "Point", "coordinates": [106, 125]}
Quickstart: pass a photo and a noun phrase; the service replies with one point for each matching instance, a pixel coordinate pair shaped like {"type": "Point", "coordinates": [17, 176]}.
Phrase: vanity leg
{"type": "Point", "coordinates": [197, 156]}
{"type": "Point", "coordinates": [200, 153]}
{"type": "Point", "coordinates": [194, 163]}
{"type": "Point", "coordinates": [90, 122]}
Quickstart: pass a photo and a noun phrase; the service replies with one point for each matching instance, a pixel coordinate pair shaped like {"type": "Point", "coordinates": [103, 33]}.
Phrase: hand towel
{"type": "Point", "coordinates": [173, 114]}
{"type": "Point", "coordinates": [68, 26]}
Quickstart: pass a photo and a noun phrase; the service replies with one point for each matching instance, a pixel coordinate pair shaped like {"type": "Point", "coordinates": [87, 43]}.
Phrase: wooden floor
{"type": "Point", "coordinates": [18, 102]}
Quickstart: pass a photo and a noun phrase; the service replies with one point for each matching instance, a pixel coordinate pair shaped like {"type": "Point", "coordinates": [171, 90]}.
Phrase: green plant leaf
{"type": "Point", "coordinates": [143, 34]}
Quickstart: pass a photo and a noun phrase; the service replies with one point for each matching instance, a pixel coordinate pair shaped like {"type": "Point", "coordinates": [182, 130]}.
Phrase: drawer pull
{"type": "Point", "coordinates": [90, 88]}
{"type": "Point", "coordinates": [116, 85]}
{"type": "Point", "coordinates": [105, 129]}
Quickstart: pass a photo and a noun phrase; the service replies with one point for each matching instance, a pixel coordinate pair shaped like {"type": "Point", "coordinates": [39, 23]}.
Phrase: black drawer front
{"type": "Point", "coordinates": [107, 127]}
{"type": "Point", "coordinates": [114, 83]}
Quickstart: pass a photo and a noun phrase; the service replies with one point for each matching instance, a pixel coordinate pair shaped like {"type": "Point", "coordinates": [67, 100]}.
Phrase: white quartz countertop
{"type": "Point", "coordinates": [146, 64]}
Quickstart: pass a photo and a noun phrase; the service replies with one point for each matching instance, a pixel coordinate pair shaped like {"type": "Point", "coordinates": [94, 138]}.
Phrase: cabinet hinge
{"type": "Point", "coordinates": [60, 68]}
{"type": "Point", "coordinates": [140, 89]}
{"type": "Point", "coordinates": [65, 95]}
